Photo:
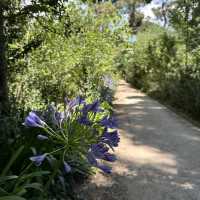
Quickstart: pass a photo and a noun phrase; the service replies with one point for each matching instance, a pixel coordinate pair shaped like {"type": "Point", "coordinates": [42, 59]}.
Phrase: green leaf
{"type": "Point", "coordinates": [3, 192]}
{"type": "Point", "coordinates": [20, 191]}
{"type": "Point", "coordinates": [7, 178]}
{"type": "Point", "coordinates": [34, 174]}
{"type": "Point", "coordinates": [36, 186]}
{"type": "Point", "coordinates": [12, 160]}
{"type": "Point", "coordinates": [12, 198]}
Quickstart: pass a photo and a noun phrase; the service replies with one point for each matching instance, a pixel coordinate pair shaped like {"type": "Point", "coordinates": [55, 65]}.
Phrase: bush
{"type": "Point", "coordinates": [65, 143]}
{"type": "Point", "coordinates": [158, 65]}
{"type": "Point", "coordinates": [54, 57]}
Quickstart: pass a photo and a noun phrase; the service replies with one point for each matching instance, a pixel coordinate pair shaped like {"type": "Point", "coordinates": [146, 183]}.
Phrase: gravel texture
{"type": "Point", "coordinates": [158, 156]}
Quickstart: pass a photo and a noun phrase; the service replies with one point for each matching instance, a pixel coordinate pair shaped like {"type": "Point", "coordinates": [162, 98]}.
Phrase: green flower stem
{"type": "Point", "coordinates": [49, 132]}
{"type": "Point", "coordinates": [56, 150]}
{"type": "Point", "coordinates": [53, 134]}
{"type": "Point", "coordinates": [65, 136]}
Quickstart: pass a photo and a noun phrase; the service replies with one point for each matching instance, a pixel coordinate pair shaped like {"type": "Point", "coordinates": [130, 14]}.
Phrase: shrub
{"type": "Point", "coordinates": [67, 141]}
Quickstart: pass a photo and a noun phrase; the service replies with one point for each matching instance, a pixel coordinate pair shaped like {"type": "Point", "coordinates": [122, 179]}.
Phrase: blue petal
{"type": "Point", "coordinates": [32, 120]}
{"type": "Point", "coordinates": [38, 159]}
{"type": "Point", "coordinates": [113, 137]}
{"type": "Point", "coordinates": [99, 150]}
{"type": "Point", "coordinates": [105, 168]}
{"type": "Point", "coordinates": [77, 101]}
{"type": "Point", "coordinates": [67, 167]}
{"type": "Point", "coordinates": [91, 158]}
{"type": "Point", "coordinates": [42, 137]}
{"type": "Point", "coordinates": [109, 122]}
{"type": "Point", "coordinates": [109, 157]}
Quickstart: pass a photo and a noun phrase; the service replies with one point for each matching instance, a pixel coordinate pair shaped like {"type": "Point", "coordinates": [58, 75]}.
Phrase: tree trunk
{"type": "Point", "coordinates": [3, 66]}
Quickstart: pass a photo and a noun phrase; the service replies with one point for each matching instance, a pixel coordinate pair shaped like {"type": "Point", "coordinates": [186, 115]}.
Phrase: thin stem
{"type": "Point", "coordinates": [56, 150]}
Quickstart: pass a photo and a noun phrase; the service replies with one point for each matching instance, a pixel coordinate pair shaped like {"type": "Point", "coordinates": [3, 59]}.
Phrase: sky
{"type": "Point", "coordinates": [147, 9]}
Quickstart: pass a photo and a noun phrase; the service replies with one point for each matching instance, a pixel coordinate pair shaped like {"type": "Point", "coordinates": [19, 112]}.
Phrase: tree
{"type": "Point", "coordinates": [13, 16]}
{"type": "Point", "coordinates": [3, 64]}
{"type": "Point", "coordinates": [184, 17]}
{"type": "Point", "coordinates": [162, 12]}
{"type": "Point", "coordinates": [135, 17]}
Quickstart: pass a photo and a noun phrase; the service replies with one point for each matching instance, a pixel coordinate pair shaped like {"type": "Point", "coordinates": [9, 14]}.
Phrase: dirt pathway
{"type": "Point", "coordinates": [158, 157]}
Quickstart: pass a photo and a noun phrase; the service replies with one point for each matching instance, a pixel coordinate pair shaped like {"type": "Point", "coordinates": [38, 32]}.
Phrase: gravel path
{"type": "Point", "coordinates": [158, 157]}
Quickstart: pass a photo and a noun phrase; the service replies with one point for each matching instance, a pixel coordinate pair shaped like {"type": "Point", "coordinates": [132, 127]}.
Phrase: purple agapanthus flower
{"type": "Point", "coordinates": [93, 107]}
{"type": "Point", "coordinates": [109, 157]}
{"type": "Point", "coordinates": [109, 122]}
{"type": "Point", "coordinates": [67, 167]}
{"type": "Point", "coordinates": [38, 159]}
{"type": "Point", "coordinates": [42, 137]}
{"type": "Point", "coordinates": [93, 161]}
{"type": "Point", "coordinates": [111, 138]}
{"type": "Point", "coordinates": [84, 120]}
{"type": "Point", "coordinates": [32, 120]}
{"type": "Point", "coordinates": [91, 158]}
{"type": "Point", "coordinates": [104, 168]}
{"type": "Point", "coordinates": [58, 117]}
{"type": "Point", "coordinates": [77, 101]}
{"type": "Point", "coordinates": [99, 150]}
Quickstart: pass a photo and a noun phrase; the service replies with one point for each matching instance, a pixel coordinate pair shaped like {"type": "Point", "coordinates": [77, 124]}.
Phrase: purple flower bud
{"type": "Point", "coordinates": [58, 117]}
{"type": "Point", "coordinates": [106, 156]}
{"type": "Point", "coordinates": [38, 159]}
{"type": "Point", "coordinates": [109, 157]}
{"type": "Point", "coordinates": [99, 150]}
{"type": "Point", "coordinates": [77, 101]}
{"type": "Point", "coordinates": [108, 122]}
{"type": "Point", "coordinates": [112, 137]}
{"type": "Point", "coordinates": [91, 159]}
{"type": "Point", "coordinates": [84, 120]}
{"type": "Point", "coordinates": [42, 137]}
{"type": "Point", "coordinates": [93, 107]}
{"type": "Point", "coordinates": [105, 168]}
{"type": "Point", "coordinates": [32, 120]}
{"type": "Point", "coordinates": [67, 167]}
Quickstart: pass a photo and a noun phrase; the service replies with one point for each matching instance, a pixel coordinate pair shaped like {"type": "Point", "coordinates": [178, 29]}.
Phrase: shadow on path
{"type": "Point", "coordinates": [158, 155]}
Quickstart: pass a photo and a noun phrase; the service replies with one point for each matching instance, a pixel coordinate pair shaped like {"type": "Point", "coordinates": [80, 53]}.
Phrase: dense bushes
{"type": "Point", "coordinates": [160, 65]}
{"type": "Point", "coordinates": [57, 57]}
{"type": "Point", "coordinates": [72, 60]}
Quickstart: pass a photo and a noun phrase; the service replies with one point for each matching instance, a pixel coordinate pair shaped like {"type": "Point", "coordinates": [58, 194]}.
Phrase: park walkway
{"type": "Point", "coordinates": [158, 157]}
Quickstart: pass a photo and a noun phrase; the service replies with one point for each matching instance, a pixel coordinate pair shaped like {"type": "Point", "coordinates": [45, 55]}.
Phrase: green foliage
{"type": "Point", "coordinates": [160, 64]}
{"type": "Point", "coordinates": [54, 51]}
{"type": "Point", "coordinates": [75, 54]}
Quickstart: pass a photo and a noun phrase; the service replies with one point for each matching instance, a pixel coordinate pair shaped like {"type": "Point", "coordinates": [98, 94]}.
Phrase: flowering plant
{"type": "Point", "coordinates": [82, 130]}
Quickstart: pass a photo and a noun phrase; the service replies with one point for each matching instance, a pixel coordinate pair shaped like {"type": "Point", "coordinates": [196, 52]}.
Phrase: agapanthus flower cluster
{"type": "Point", "coordinates": [101, 150]}
{"type": "Point", "coordinates": [80, 125]}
